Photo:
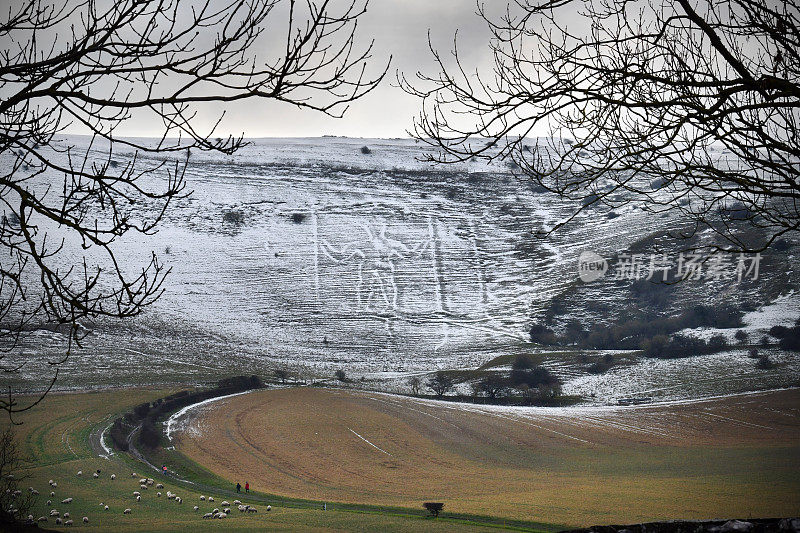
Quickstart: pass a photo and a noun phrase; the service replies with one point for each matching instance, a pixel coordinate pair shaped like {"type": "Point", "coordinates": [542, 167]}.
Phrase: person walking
{"type": "Point", "coordinates": [238, 487]}
{"type": "Point", "coordinates": [247, 486]}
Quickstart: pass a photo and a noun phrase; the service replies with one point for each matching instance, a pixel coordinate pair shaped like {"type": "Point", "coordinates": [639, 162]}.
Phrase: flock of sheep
{"type": "Point", "coordinates": [144, 484]}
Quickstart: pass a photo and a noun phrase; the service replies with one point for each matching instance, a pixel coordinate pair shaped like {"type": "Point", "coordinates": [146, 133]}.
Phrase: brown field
{"type": "Point", "coordinates": [736, 456]}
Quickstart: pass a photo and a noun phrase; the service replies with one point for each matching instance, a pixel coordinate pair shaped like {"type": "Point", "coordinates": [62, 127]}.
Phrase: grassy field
{"type": "Point", "coordinates": [731, 457]}
{"type": "Point", "coordinates": [55, 443]}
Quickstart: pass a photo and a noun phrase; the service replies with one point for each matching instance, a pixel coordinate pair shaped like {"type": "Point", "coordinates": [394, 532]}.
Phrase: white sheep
{"type": "Point", "coordinates": [52, 493]}
{"type": "Point", "coordinates": [222, 515]}
{"type": "Point", "coordinates": [80, 472]}
{"type": "Point", "coordinates": [178, 499]}
{"type": "Point", "coordinates": [42, 519]}
{"type": "Point", "coordinates": [66, 515]}
{"type": "Point", "coordinates": [105, 507]}
{"type": "Point", "coordinates": [143, 481]}
{"type": "Point", "coordinates": [202, 498]}
{"type": "Point", "coordinates": [58, 521]}
{"type": "Point", "coordinates": [54, 484]}
{"type": "Point", "coordinates": [160, 486]}
{"type": "Point", "coordinates": [50, 482]}
{"type": "Point", "coordinates": [150, 481]}
{"type": "Point", "coordinates": [236, 502]}
{"type": "Point", "coordinates": [85, 519]}
{"type": "Point", "coordinates": [68, 523]}
{"type": "Point", "coordinates": [126, 511]}
{"type": "Point", "coordinates": [252, 509]}
{"type": "Point", "coordinates": [138, 498]}
{"type": "Point", "coordinates": [143, 487]}
{"type": "Point", "coordinates": [134, 474]}
{"type": "Point", "coordinates": [269, 508]}
{"type": "Point", "coordinates": [49, 503]}
{"type": "Point", "coordinates": [158, 494]}
{"type": "Point", "coordinates": [113, 477]}
{"type": "Point", "coordinates": [196, 508]}
{"type": "Point", "coordinates": [95, 475]}
{"type": "Point", "coordinates": [207, 515]}
{"type": "Point", "coordinates": [215, 511]}
{"type": "Point", "coordinates": [211, 498]}
{"type": "Point", "coordinates": [66, 500]}
{"type": "Point", "coordinates": [242, 508]}
{"type": "Point", "coordinates": [137, 493]}
{"type": "Point", "coordinates": [224, 503]}
{"type": "Point", "coordinates": [226, 510]}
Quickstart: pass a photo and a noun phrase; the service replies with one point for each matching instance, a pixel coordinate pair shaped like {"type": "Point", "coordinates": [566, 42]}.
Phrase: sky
{"type": "Point", "coordinates": [400, 30]}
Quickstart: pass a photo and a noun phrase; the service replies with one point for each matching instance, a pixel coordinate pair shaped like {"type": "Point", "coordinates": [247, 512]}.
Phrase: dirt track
{"type": "Point", "coordinates": [734, 456]}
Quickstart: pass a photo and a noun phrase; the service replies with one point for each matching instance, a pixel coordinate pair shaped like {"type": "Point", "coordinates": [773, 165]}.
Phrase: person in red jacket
{"type": "Point", "coordinates": [247, 486]}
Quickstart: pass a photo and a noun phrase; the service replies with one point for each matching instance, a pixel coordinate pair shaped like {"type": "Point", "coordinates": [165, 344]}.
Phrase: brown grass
{"type": "Point", "coordinates": [729, 457]}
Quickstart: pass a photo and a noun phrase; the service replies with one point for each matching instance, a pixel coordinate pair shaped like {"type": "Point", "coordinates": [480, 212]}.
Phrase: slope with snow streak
{"type": "Point", "coordinates": [573, 465]}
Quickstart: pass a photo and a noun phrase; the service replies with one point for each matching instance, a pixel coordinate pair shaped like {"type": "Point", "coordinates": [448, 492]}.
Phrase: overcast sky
{"type": "Point", "coordinates": [400, 29]}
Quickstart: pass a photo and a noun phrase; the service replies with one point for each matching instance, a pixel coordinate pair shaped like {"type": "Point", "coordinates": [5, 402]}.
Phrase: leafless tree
{"type": "Point", "coordinates": [440, 383]}
{"type": "Point", "coordinates": [687, 106]}
{"type": "Point", "coordinates": [94, 65]}
{"type": "Point", "coordinates": [14, 502]}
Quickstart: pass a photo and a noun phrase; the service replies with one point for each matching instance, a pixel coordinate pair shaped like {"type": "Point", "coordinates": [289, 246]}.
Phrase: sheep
{"type": "Point", "coordinates": [242, 508]}
{"type": "Point", "coordinates": [49, 503]}
{"type": "Point", "coordinates": [80, 472]}
{"type": "Point", "coordinates": [222, 515]}
{"type": "Point", "coordinates": [95, 475]}
{"type": "Point", "coordinates": [215, 510]}
{"type": "Point", "coordinates": [42, 519]}
{"type": "Point", "coordinates": [113, 477]}
{"type": "Point", "coordinates": [207, 515]}
{"type": "Point", "coordinates": [150, 481]}
{"type": "Point", "coordinates": [85, 519]}
{"type": "Point", "coordinates": [143, 481]}
{"type": "Point", "coordinates": [137, 493]}
{"type": "Point", "coordinates": [202, 498]}
{"type": "Point", "coordinates": [52, 493]}
{"type": "Point", "coordinates": [236, 502]}
{"type": "Point", "coordinates": [30, 518]}
{"type": "Point", "coordinates": [126, 511]}
{"type": "Point", "coordinates": [196, 508]}
{"type": "Point", "coordinates": [226, 510]}
{"type": "Point", "coordinates": [66, 500]}
{"type": "Point", "coordinates": [269, 508]}
{"type": "Point", "coordinates": [138, 498]}
{"type": "Point", "coordinates": [66, 515]}
{"type": "Point", "coordinates": [134, 474]}
{"type": "Point", "coordinates": [50, 482]}
{"type": "Point", "coordinates": [225, 503]}
{"type": "Point", "coordinates": [68, 523]}
{"type": "Point", "coordinates": [211, 498]}
{"type": "Point", "coordinates": [143, 487]}
{"type": "Point", "coordinates": [160, 486]}
{"type": "Point", "coordinates": [178, 499]}
{"type": "Point", "coordinates": [105, 507]}
{"type": "Point", "coordinates": [158, 494]}
{"type": "Point", "coordinates": [17, 493]}
{"type": "Point", "coordinates": [58, 521]}
{"type": "Point", "coordinates": [252, 510]}
{"type": "Point", "coordinates": [54, 485]}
